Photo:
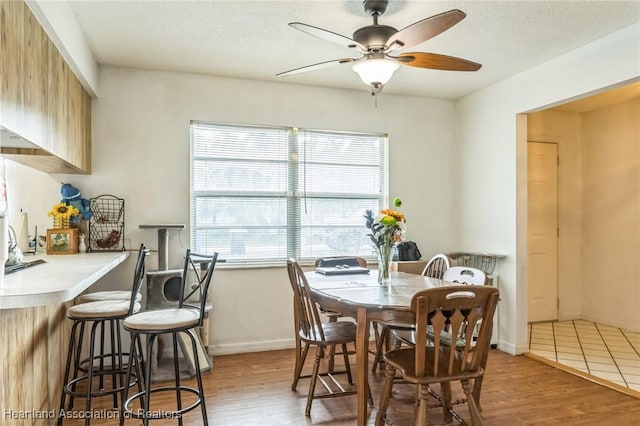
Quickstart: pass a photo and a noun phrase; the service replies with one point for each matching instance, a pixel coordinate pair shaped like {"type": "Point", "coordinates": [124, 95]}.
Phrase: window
{"type": "Point", "coordinates": [263, 194]}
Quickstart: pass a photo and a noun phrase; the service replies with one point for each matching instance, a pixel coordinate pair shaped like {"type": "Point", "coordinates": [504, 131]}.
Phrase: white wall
{"type": "Point", "coordinates": [32, 192]}
{"type": "Point", "coordinates": [493, 148]}
{"type": "Point", "coordinates": [611, 215]}
{"type": "Point", "coordinates": [141, 153]}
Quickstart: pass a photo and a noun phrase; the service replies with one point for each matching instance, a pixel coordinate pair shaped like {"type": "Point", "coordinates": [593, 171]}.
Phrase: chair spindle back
{"type": "Point", "coordinates": [309, 322]}
{"type": "Point", "coordinates": [436, 266]}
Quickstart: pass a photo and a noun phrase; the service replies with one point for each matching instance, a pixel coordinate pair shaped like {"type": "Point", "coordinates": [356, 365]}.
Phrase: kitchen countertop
{"type": "Point", "coordinates": [60, 279]}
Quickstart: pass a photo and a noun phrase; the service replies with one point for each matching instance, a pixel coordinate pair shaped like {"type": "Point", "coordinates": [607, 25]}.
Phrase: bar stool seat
{"type": "Point", "coordinates": [163, 320]}
{"type": "Point", "coordinates": [97, 314]}
{"type": "Point", "coordinates": [98, 296]}
{"type": "Point", "coordinates": [103, 310]}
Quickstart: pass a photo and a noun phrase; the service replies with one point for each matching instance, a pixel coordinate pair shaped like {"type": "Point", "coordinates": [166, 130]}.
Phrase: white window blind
{"type": "Point", "coordinates": [263, 194]}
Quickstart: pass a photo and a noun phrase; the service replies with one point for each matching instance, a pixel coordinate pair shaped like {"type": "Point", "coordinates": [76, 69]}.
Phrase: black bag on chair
{"type": "Point", "coordinates": [408, 251]}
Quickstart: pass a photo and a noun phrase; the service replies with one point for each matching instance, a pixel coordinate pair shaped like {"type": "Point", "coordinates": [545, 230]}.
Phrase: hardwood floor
{"type": "Point", "coordinates": [254, 389]}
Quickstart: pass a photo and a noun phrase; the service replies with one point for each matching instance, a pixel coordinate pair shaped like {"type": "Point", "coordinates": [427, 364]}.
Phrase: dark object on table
{"type": "Point", "coordinates": [341, 270]}
{"type": "Point", "coordinates": [327, 262]}
{"type": "Point", "coordinates": [408, 251]}
{"type": "Point", "coordinates": [340, 266]}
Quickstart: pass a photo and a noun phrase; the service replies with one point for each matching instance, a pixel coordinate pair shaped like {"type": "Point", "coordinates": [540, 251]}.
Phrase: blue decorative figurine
{"type": "Point", "coordinates": [71, 196]}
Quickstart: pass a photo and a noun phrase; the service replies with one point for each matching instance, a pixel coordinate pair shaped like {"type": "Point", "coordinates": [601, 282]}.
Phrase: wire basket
{"type": "Point", "coordinates": [106, 224]}
{"type": "Point", "coordinates": [486, 263]}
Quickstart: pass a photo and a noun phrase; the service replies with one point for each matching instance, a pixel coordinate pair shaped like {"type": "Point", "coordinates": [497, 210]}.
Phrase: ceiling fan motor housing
{"type": "Point", "coordinates": [375, 7]}
{"type": "Point", "coordinates": [374, 36]}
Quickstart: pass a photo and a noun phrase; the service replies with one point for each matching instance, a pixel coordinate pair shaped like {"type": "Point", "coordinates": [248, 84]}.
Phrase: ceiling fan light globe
{"type": "Point", "coordinates": [375, 71]}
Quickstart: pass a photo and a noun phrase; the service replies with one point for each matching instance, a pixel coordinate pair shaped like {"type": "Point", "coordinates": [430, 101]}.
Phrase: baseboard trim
{"type": "Point", "coordinates": [260, 346]}
{"type": "Point", "coordinates": [610, 322]}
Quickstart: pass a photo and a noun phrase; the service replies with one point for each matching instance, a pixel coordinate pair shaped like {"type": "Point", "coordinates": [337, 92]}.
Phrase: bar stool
{"type": "Point", "coordinates": [101, 296]}
{"type": "Point", "coordinates": [182, 320]}
{"type": "Point", "coordinates": [99, 313]}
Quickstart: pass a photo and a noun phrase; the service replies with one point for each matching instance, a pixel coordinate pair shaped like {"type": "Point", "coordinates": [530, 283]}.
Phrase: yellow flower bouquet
{"type": "Point", "coordinates": [62, 214]}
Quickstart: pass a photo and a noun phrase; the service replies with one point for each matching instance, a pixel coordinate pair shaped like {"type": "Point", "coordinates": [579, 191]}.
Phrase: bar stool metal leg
{"type": "Point", "coordinates": [176, 368]}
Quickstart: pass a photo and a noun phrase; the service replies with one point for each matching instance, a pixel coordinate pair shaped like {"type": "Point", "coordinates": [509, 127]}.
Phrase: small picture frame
{"type": "Point", "coordinates": [62, 241]}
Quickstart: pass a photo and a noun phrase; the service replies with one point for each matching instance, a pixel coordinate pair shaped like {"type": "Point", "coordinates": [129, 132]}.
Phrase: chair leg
{"type": "Point", "coordinates": [421, 417]}
{"type": "Point", "coordinates": [176, 368]}
{"type": "Point", "coordinates": [477, 383]}
{"type": "Point", "coordinates": [314, 379]}
{"type": "Point", "coordinates": [477, 387]}
{"type": "Point", "coordinates": [332, 349]}
{"type": "Point", "coordinates": [385, 396]}
{"type": "Point", "coordinates": [76, 364]}
{"type": "Point", "coordinates": [139, 362]}
{"type": "Point", "coordinates": [347, 366]}
{"type": "Point", "coordinates": [381, 341]}
{"type": "Point", "coordinates": [101, 362]}
{"type": "Point", "coordinates": [125, 389]}
{"type": "Point", "coordinates": [445, 393]}
{"type": "Point", "coordinates": [67, 369]}
{"type": "Point", "coordinates": [147, 381]}
{"type": "Point", "coordinates": [90, 369]}
{"type": "Point", "coordinates": [476, 419]}
{"type": "Point", "coordinates": [115, 367]}
{"type": "Point", "coordinates": [203, 407]}
{"type": "Point", "coordinates": [299, 365]}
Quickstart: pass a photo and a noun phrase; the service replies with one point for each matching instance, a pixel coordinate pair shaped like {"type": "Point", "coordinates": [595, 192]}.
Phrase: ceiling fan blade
{"type": "Point", "coordinates": [437, 62]}
{"type": "Point", "coordinates": [317, 66]}
{"type": "Point", "coordinates": [424, 30]}
{"type": "Point", "coordinates": [327, 35]}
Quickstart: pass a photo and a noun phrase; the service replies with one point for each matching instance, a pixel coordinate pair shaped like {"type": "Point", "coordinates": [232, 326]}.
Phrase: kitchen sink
{"type": "Point", "coordinates": [23, 265]}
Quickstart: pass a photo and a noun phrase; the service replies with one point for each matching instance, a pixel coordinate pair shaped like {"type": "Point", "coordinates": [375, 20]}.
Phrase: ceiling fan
{"type": "Point", "coordinates": [377, 43]}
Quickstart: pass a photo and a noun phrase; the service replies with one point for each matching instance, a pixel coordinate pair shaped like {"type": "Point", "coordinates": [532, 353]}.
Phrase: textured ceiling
{"type": "Point", "coordinates": [251, 39]}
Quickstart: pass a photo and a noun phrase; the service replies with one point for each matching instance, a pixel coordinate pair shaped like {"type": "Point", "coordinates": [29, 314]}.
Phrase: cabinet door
{"type": "Point", "coordinates": [35, 82]}
{"type": "Point", "coordinates": [11, 63]}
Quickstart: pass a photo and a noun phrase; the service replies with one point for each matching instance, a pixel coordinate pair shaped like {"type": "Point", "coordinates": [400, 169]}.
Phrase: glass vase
{"type": "Point", "coordinates": [385, 257]}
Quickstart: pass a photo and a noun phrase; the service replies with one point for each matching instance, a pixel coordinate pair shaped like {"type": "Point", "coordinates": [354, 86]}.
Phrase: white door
{"type": "Point", "coordinates": [542, 231]}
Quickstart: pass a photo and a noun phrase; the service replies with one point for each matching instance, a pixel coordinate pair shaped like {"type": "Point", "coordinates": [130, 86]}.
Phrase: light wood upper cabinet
{"type": "Point", "coordinates": [41, 99]}
{"type": "Point", "coordinates": [11, 55]}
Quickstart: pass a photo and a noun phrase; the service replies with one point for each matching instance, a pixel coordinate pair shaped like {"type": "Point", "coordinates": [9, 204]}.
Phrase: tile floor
{"type": "Point", "coordinates": [605, 353]}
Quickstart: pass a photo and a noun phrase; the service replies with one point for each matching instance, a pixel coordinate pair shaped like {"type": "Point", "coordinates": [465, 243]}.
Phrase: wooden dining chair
{"type": "Point", "coordinates": [457, 309]}
{"type": "Point", "coordinates": [331, 315]}
{"type": "Point", "coordinates": [313, 332]}
{"type": "Point", "coordinates": [462, 275]}
{"type": "Point", "coordinates": [435, 268]}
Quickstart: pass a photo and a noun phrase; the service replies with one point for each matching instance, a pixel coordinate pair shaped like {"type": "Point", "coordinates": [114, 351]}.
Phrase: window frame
{"type": "Point", "coordinates": [294, 194]}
